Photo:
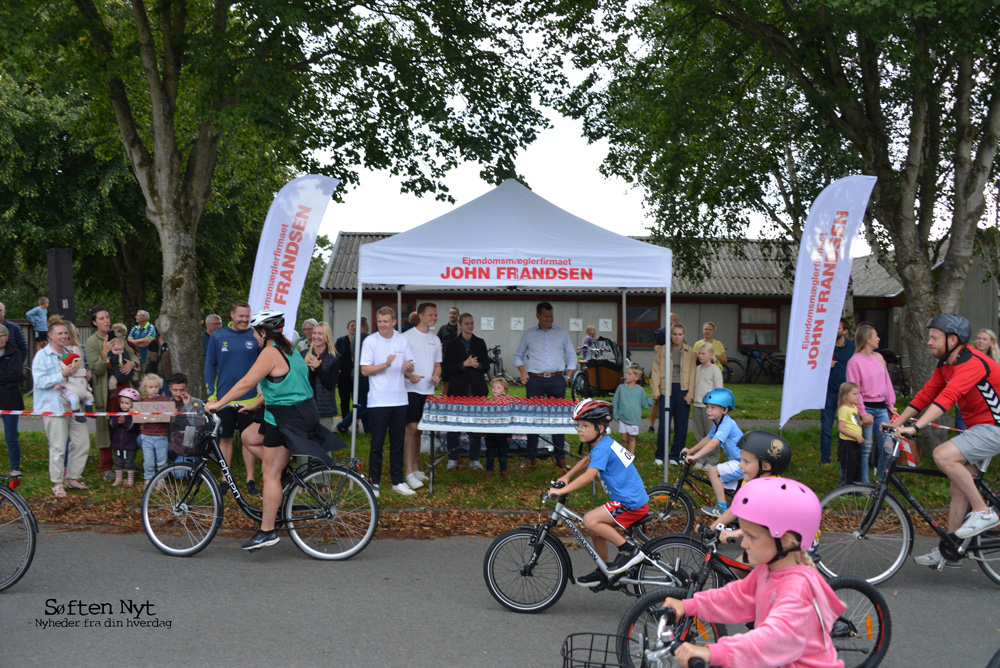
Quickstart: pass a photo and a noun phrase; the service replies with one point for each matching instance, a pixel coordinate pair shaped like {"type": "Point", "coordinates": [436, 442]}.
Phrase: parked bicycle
{"type": "Point", "coordinates": [868, 532]}
{"type": "Point", "coordinates": [527, 569]}
{"type": "Point", "coordinates": [759, 362]}
{"type": "Point", "coordinates": [672, 506]}
{"type": "Point", "coordinates": [497, 369]}
{"type": "Point", "coordinates": [897, 372]}
{"type": "Point", "coordinates": [733, 371]}
{"type": "Point", "coordinates": [18, 532]}
{"type": "Point", "coordinates": [861, 634]}
{"type": "Point", "coordinates": [329, 512]}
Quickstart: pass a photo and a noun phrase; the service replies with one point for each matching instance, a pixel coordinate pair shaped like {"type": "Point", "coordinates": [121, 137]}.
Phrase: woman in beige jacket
{"type": "Point", "coordinates": [681, 390]}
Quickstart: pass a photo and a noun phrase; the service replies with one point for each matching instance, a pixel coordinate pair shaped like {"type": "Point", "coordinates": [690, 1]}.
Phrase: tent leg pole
{"type": "Point", "coordinates": [665, 415]}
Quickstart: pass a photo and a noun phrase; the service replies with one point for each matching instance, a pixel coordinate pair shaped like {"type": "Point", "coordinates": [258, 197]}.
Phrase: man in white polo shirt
{"type": "Point", "coordinates": [426, 347]}
{"type": "Point", "coordinates": [386, 360]}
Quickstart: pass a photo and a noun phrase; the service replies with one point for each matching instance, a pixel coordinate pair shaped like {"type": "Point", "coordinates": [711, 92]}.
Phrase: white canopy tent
{"type": "Point", "coordinates": [511, 237]}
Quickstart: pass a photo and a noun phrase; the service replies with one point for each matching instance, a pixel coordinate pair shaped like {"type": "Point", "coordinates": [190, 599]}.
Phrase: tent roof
{"type": "Point", "coordinates": [511, 236]}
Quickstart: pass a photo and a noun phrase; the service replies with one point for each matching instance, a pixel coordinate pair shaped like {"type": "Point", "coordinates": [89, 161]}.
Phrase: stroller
{"type": "Point", "coordinates": [600, 373]}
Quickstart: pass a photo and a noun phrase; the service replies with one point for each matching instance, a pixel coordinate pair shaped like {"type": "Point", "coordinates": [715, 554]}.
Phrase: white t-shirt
{"type": "Point", "coordinates": [426, 353]}
{"type": "Point", "coordinates": [386, 388]}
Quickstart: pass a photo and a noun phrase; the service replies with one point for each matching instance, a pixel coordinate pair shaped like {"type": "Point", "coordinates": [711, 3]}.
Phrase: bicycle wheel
{"type": "Point", "coordinates": [987, 557]}
{"type": "Point", "coordinates": [334, 516]}
{"type": "Point", "coordinates": [673, 512]}
{"type": "Point", "coordinates": [181, 511]}
{"type": "Point", "coordinates": [874, 556]}
{"type": "Point", "coordinates": [17, 538]}
{"type": "Point", "coordinates": [681, 556]}
{"type": "Point", "coordinates": [862, 633]}
{"type": "Point", "coordinates": [580, 386]}
{"type": "Point", "coordinates": [639, 623]}
{"type": "Point", "coordinates": [510, 585]}
{"type": "Point", "coordinates": [733, 371]}
{"type": "Point", "coordinates": [774, 365]}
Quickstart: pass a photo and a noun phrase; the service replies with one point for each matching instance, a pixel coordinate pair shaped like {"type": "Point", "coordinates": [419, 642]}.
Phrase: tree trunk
{"type": "Point", "coordinates": [179, 319]}
{"type": "Point", "coordinates": [130, 262]}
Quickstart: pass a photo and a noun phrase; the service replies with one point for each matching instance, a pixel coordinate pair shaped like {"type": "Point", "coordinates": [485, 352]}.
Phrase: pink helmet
{"type": "Point", "coordinates": [129, 393]}
{"type": "Point", "coordinates": [780, 505]}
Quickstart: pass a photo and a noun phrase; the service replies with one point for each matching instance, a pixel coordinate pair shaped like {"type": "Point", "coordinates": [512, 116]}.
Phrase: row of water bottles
{"type": "Point", "coordinates": [536, 412]}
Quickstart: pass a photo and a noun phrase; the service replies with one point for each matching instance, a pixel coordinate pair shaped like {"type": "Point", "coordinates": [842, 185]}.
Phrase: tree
{"type": "Point", "coordinates": [717, 106]}
{"type": "Point", "coordinates": [415, 87]}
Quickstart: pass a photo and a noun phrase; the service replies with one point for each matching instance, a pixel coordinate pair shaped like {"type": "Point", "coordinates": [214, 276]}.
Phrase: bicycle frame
{"type": "Point", "coordinates": [890, 478]}
{"type": "Point", "coordinates": [687, 477]}
{"type": "Point", "coordinates": [569, 519]}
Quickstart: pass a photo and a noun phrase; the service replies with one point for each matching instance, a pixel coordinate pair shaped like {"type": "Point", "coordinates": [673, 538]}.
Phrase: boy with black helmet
{"type": "Point", "coordinates": [969, 379]}
{"type": "Point", "coordinates": [616, 467]}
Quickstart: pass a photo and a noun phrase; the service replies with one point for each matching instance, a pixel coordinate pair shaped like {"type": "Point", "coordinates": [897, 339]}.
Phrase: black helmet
{"type": "Point", "coordinates": [952, 323]}
{"type": "Point", "coordinates": [272, 321]}
{"type": "Point", "coordinates": [768, 447]}
{"type": "Point", "coordinates": [593, 410]}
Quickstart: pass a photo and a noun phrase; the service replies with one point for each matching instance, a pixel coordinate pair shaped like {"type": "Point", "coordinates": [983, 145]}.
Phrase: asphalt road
{"type": "Point", "coordinates": [400, 603]}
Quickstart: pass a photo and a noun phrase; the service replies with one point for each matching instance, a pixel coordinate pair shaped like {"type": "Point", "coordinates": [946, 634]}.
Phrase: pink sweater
{"type": "Point", "coordinates": [793, 610]}
{"type": "Point", "coordinates": [872, 376]}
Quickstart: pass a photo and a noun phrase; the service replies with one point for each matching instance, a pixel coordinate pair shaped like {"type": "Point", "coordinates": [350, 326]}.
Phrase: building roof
{"type": "Point", "coordinates": [730, 276]}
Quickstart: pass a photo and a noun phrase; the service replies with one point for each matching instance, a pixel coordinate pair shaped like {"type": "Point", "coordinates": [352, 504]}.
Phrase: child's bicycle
{"type": "Point", "coordinates": [527, 569]}
{"type": "Point", "coordinates": [497, 369]}
{"type": "Point", "coordinates": [861, 634]}
{"type": "Point", "coordinates": [672, 506]}
{"type": "Point", "coordinates": [602, 650]}
{"type": "Point", "coordinates": [329, 513]}
{"type": "Point", "coordinates": [18, 531]}
{"type": "Point", "coordinates": [868, 532]}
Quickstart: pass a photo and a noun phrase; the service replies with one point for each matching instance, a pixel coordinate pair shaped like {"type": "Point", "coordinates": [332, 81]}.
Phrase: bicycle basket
{"type": "Point", "coordinates": [593, 650]}
{"type": "Point", "coordinates": [189, 433]}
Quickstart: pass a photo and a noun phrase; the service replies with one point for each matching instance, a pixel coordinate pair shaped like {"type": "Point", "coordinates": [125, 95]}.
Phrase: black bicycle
{"type": "Point", "coordinates": [759, 362]}
{"type": "Point", "coordinates": [18, 532]}
{"type": "Point", "coordinates": [527, 569]}
{"type": "Point", "coordinates": [673, 507]}
{"type": "Point", "coordinates": [861, 634]}
{"type": "Point", "coordinates": [897, 372]}
{"type": "Point", "coordinates": [868, 532]}
{"type": "Point", "coordinates": [497, 369]}
{"type": "Point", "coordinates": [329, 512]}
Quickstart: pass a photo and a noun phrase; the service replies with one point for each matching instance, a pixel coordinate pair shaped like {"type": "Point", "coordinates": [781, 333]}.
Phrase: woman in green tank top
{"type": "Point", "coordinates": [291, 419]}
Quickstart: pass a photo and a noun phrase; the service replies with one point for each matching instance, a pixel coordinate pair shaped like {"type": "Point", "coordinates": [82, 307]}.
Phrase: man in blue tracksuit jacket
{"type": "Point", "coordinates": [229, 355]}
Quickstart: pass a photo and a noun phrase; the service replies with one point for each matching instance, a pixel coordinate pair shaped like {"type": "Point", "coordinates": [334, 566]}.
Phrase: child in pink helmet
{"type": "Point", "coordinates": [792, 607]}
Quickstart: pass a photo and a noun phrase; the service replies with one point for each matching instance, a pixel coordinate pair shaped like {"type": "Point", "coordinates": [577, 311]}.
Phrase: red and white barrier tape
{"type": "Point", "coordinates": [54, 414]}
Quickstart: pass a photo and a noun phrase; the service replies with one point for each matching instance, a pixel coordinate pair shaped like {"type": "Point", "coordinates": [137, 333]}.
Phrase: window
{"type": "Point", "coordinates": [642, 320]}
{"type": "Point", "coordinates": [759, 326]}
{"type": "Point", "coordinates": [407, 308]}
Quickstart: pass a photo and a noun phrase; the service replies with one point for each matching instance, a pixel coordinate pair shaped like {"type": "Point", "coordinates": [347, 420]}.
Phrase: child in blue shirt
{"type": "Point", "coordinates": [628, 499]}
{"type": "Point", "coordinates": [629, 400]}
{"type": "Point", "coordinates": [726, 433]}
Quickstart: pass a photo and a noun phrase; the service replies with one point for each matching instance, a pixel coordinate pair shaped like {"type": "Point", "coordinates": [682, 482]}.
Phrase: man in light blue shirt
{"type": "Point", "coordinates": [548, 370]}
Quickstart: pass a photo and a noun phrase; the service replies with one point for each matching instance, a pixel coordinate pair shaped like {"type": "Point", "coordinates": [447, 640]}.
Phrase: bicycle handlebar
{"type": "Point", "coordinates": [557, 484]}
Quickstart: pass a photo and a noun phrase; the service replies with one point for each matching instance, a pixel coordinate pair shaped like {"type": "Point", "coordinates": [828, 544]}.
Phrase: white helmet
{"type": "Point", "coordinates": [272, 321]}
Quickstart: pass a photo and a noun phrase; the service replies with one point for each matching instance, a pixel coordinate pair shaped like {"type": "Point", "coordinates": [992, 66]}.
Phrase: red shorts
{"type": "Point", "coordinates": [623, 516]}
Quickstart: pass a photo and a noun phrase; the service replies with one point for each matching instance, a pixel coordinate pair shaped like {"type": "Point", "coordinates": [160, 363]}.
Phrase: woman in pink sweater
{"type": "Point", "coordinates": [792, 607]}
{"type": "Point", "coordinates": [867, 369]}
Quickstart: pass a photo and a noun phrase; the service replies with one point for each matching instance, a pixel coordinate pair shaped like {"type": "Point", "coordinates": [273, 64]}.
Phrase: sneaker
{"type": "Point", "coordinates": [976, 523]}
{"type": "Point", "coordinates": [933, 559]}
{"type": "Point", "coordinates": [413, 481]}
{"type": "Point", "coordinates": [452, 464]}
{"type": "Point", "coordinates": [651, 430]}
{"type": "Point", "coordinates": [375, 490]}
{"type": "Point", "coordinates": [262, 539]}
{"type": "Point", "coordinates": [675, 462]}
{"type": "Point", "coordinates": [591, 579]}
{"type": "Point", "coordinates": [403, 488]}
{"type": "Point", "coordinates": [421, 476]}
{"type": "Point", "coordinates": [475, 465]}
{"type": "Point", "coordinates": [629, 555]}
{"type": "Point", "coordinates": [252, 488]}
{"type": "Point", "coordinates": [714, 511]}
{"type": "Point", "coordinates": [658, 461]}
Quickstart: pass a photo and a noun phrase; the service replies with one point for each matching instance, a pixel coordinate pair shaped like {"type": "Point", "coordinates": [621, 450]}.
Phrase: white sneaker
{"type": "Point", "coordinates": [933, 558]}
{"type": "Point", "coordinates": [452, 464]}
{"type": "Point", "coordinates": [375, 490]}
{"type": "Point", "coordinates": [976, 523]}
{"type": "Point", "coordinates": [658, 462]}
{"type": "Point", "coordinates": [413, 481]}
{"type": "Point", "coordinates": [403, 489]}
{"type": "Point", "coordinates": [421, 476]}
{"type": "Point", "coordinates": [475, 466]}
